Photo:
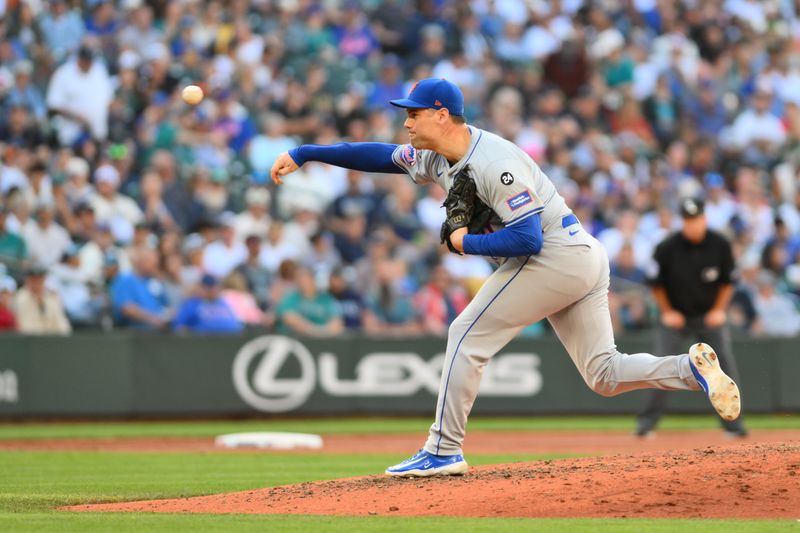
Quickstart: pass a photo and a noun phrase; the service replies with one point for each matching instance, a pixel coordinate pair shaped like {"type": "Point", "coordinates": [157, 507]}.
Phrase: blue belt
{"type": "Point", "coordinates": [569, 220]}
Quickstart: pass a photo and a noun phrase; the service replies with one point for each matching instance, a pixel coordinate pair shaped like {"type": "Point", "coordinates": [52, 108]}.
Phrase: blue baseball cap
{"type": "Point", "coordinates": [433, 93]}
{"type": "Point", "coordinates": [208, 280]}
{"type": "Point", "coordinates": [714, 180]}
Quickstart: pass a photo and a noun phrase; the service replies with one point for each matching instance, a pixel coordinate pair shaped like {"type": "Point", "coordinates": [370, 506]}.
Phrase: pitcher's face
{"type": "Point", "coordinates": [424, 127]}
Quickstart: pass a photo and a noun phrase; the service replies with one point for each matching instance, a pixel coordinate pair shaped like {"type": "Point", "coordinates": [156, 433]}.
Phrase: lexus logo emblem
{"type": "Point", "coordinates": [256, 368]}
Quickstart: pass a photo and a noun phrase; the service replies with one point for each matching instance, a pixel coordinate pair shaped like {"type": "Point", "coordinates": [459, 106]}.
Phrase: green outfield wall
{"type": "Point", "coordinates": [133, 374]}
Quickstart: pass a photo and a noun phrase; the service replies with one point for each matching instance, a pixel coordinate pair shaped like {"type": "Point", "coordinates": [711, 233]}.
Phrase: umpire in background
{"type": "Point", "coordinates": [692, 288]}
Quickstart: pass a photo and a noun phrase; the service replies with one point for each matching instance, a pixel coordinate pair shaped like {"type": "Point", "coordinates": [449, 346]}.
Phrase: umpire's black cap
{"type": "Point", "coordinates": [692, 207]}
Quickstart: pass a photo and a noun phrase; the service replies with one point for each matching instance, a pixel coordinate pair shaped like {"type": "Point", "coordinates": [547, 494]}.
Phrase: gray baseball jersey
{"type": "Point", "coordinates": [567, 283]}
{"type": "Point", "coordinates": [507, 179]}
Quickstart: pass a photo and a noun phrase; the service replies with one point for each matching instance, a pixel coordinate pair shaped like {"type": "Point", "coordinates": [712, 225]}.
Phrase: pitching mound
{"type": "Point", "coordinates": [742, 481]}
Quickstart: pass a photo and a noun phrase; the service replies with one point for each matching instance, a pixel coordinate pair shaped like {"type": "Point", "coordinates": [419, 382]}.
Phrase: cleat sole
{"type": "Point", "coordinates": [722, 391]}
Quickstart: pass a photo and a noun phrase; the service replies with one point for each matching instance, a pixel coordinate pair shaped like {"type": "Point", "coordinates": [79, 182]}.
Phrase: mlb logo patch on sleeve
{"type": "Point", "coordinates": [517, 201]}
{"type": "Point", "coordinates": [409, 155]}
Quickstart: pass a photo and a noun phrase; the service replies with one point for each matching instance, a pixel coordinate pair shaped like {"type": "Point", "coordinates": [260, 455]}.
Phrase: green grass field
{"type": "Point", "coordinates": [35, 483]}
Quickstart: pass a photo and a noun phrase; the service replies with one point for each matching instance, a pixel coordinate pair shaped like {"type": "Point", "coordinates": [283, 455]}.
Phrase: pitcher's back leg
{"type": "Point", "coordinates": [584, 329]}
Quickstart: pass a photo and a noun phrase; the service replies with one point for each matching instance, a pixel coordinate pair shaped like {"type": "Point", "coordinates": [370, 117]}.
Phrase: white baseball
{"type": "Point", "coordinates": [192, 94]}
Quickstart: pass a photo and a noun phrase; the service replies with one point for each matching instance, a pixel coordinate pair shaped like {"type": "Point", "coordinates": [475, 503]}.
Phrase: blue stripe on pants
{"type": "Point", "coordinates": [450, 370]}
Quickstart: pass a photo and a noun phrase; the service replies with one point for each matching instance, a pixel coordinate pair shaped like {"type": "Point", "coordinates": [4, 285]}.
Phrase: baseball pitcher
{"type": "Point", "coordinates": [501, 205]}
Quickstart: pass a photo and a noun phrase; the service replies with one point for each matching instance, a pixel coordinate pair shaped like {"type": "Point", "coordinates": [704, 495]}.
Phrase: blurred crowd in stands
{"type": "Point", "coordinates": [123, 207]}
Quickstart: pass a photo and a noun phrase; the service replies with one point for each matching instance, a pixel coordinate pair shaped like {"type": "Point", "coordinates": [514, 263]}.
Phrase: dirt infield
{"type": "Point", "coordinates": [484, 442]}
{"type": "Point", "coordinates": [738, 481]}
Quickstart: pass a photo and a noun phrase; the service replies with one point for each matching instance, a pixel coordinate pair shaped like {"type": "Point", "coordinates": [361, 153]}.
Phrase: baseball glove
{"type": "Point", "coordinates": [464, 208]}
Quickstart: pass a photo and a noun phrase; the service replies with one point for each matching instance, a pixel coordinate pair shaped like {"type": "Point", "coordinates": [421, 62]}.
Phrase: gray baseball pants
{"type": "Point", "coordinates": [567, 283]}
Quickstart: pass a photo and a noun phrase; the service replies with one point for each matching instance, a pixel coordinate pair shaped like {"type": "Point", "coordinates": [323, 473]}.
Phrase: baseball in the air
{"type": "Point", "coordinates": [192, 94]}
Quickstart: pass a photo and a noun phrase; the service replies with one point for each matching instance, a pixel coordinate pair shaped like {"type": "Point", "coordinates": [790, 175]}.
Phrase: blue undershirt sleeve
{"type": "Point", "coordinates": [520, 239]}
{"type": "Point", "coordinates": [367, 157]}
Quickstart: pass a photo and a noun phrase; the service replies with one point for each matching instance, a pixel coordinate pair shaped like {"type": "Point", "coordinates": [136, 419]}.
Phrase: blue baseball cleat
{"type": "Point", "coordinates": [722, 391]}
{"type": "Point", "coordinates": [424, 464]}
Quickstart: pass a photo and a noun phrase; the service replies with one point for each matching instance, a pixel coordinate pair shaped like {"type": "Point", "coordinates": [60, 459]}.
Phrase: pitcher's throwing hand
{"type": "Point", "coordinates": [283, 165]}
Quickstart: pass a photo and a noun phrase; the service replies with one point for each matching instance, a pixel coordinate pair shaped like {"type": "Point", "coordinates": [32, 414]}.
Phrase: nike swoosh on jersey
{"type": "Point", "coordinates": [571, 233]}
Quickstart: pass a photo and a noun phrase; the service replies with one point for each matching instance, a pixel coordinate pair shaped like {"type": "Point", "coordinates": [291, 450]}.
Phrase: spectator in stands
{"type": "Point", "coordinates": [22, 28]}
{"type": "Point", "coordinates": [8, 287]}
{"type": "Point", "coordinates": [350, 242]}
{"type": "Point", "coordinates": [401, 211]}
{"type": "Point", "coordinates": [568, 68]}
{"type": "Point", "coordinates": [628, 291]}
{"type": "Point", "coordinates": [13, 179]}
{"type": "Point", "coordinates": [45, 239]}
{"type": "Point", "coordinates": [18, 129]}
{"type": "Point", "coordinates": [139, 299]}
{"type": "Point", "coordinates": [240, 299]}
{"type": "Point", "coordinates": [705, 110]}
{"type": "Point", "coordinates": [26, 95]}
{"type": "Point", "coordinates": [111, 206]}
{"type": "Point", "coordinates": [256, 276]}
{"type": "Point", "coordinates": [309, 311]}
{"type": "Point", "coordinates": [255, 220]}
{"type": "Point", "coordinates": [79, 94]}
{"type": "Point", "coordinates": [70, 283]}
{"type": "Point", "coordinates": [322, 258]}
{"type": "Point", "coordinates": [742, 312]}
{"type": "Point", "coordinates": [358, 199]}
{"type": "Point", "coordinates": [156, 214]}
{"type": "Point", "coordinates": [13, 250]}
{"type": "Point", "coordinates": [207, 312]}
{"type": "Point", "coordinates": [357, 316]}
{"type": "Point", "coordinates": [265, 147]}
{"type": "Point", "coordinates": [38, 309]}
{"type": "Point", "coordinates": [439, 301]}
{"type": "Point", "coordinates": [720, 206]}
{"type": "Point", "coordinates": [616, 65]}
{"type": "Point", "coordinates": [93, 254]}
{"type": "Point", "coordinates": [226, 253]}
{"type": "Point", "coordinates": [393, 308]}
{"type": "Point", "coordinates": [310, 190]}
{"type": "Point", "coordinates": [140, 34]}
{"type": "Point", "coordinates": [468, 270]}
{"type": "Point", "coordinates": [77, 188]}
{"type": "Point", "coordinates": [193, 249]}
{"type": "Point", "coordinates": [40, 188]}
{"type": "Point", "coordinates": [175, 194]}
{"type": "Point", "coordinates": [285, 281]}
{"type": "Point", "coordinates": [776, 312]}
{"type": "Point", "coordinates": [80, 222]}
{"type": "Point", "coordinates": [171, 270]}
{"type": "Point", "coordinates": [278, 247]}
{"type": "Point", "coordinates": [629, 118]}
{"type": "Point", "coordinates": [752, 207]}
{"type": "Point", "coordinates": [389, 85]}
{"type": "Point", "coordinates": [625, 230]}
{"type": "Point", "coordinates": [757, 132]}
{"type": "Point", "coordinates": [789, 211]}
{"type": "Point", "coordinates": [662, 110]}
{"type": "Point", "coordinates": [62, 29]}
{"type": "Point", "coordinates": [103, 24]}
{"type": "Point", "coordinates": [354, 37]}
{"type": "Point", "coordinates": [429, 208]}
